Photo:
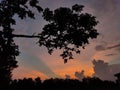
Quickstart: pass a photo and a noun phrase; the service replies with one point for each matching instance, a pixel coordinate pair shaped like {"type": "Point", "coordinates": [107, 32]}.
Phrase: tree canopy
{"type": "Point", "coordinates": [67, 29]}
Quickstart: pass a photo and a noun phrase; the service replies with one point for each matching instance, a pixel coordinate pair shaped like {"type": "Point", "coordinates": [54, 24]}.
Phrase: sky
{"type": "Point", "coordinates": [35, 61]}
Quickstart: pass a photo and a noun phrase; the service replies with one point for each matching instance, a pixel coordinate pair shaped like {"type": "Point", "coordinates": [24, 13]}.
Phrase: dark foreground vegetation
{"type": "Point", "coordinates": [62, 84]}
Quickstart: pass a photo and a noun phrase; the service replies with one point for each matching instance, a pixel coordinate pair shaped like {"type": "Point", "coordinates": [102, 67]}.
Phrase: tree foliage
{"type": "Point", "coordinates": [67, 29]}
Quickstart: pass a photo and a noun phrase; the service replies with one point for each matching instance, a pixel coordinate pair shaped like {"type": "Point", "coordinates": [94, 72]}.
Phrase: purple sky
{"type": "Point", "coordinates": [35, 61]}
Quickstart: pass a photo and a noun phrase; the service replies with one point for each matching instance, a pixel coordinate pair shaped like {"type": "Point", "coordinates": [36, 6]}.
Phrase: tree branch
{"type": "Point", "coordinates": [20, 35]}
{"type": "Point", "coordinates": [25, 36]}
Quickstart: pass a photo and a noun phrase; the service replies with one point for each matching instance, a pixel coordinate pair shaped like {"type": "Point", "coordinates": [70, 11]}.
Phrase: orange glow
{"type": "Point", "coordinates": [89, 72]}
{"type": "Point", "coordinates": [58, 67]}
{"type": "Point", "coordinates": [23, 72]}
{"type": "Point", "coordinates": [35, 74]}
{"type": "Point", "coordinates": [71, 69]}
{"type": "Point", "coordinates": [66, 71]}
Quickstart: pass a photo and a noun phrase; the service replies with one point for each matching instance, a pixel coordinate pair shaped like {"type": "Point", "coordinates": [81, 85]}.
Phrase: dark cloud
{"type": "Point", "coordinates": [114, 46]}
{"type": "Point", "coordinates": [105, 71]}
{"type": "Point", "coordinates": [112, 54]}
{"type": "Point", "coordinates": [80, 75]}
{"type": "Point", "coordinates": [100, 48]}
{"type": "Point", "coordinates": [104, 47]}
{"type": "Point", "coordinates": [118, 49]}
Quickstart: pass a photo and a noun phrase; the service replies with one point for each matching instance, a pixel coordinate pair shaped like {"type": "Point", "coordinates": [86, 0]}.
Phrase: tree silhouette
{"type": "Point", "coordinates": [63, 84]}
{"type": "Point", "coordinates": [118, 78]}
{"type": "Point", "coordinates": [67, 29]}
{"type": "Point", "coordinates": [8, 48]}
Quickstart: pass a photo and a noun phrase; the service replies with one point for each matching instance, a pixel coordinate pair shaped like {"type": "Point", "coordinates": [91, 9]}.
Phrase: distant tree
{"type": "Point", "coordinates": [38, 83]}
{"type": "Point", "coordinates": [67, 29]}
{"type": "Point", "coordinates": [118, 78]}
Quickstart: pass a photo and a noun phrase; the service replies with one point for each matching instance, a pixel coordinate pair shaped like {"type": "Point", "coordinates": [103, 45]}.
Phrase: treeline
{"type": "Point", "coordinates": [63, 84]}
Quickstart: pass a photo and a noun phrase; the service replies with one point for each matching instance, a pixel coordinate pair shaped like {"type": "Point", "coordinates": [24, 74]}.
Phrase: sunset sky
{"type": "Point", "coordinates": [34, 61]}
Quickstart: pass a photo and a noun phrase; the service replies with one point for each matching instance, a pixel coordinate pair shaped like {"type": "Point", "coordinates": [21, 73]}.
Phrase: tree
{"type": "Point", "coordinates": [118, 78]}
{"type": "Point", "coordinates": [8, 48]}
{"type": "Point", "coordinates": [67, 29]}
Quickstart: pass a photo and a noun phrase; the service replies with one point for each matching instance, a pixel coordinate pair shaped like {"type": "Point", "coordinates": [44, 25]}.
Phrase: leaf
{"type": "Point", "coordinates": [33, 3]}
{"type": "Point", "coordinates": [78, 51]}
{"type": "Point", "coordinates": [39, 9]}
{"type": "Point", "coordinates": [13, 21]}
{"type": "Point", "coordinates": [30, 14]}
{"type": "Point", "coordinates": [77, 7]}
{"type": "Point", "coordinates": [65, 60]}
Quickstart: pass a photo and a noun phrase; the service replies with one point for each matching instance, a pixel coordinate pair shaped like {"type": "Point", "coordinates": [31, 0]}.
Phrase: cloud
{"type": "Point", "coordinates": [114, 46]}
{"type": "Point", "coordinates": [118, 49]}
{"type": "Point", "coordinates": [80, 75]}
{"type": "Point", "coordinates": [100, 48]}
{"type": "Point", "coordinates": [105, 71]}
{"type": "Point", "coordinates": [103, 47]}
{"type": "Point", "coordinates": [112, 54]}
